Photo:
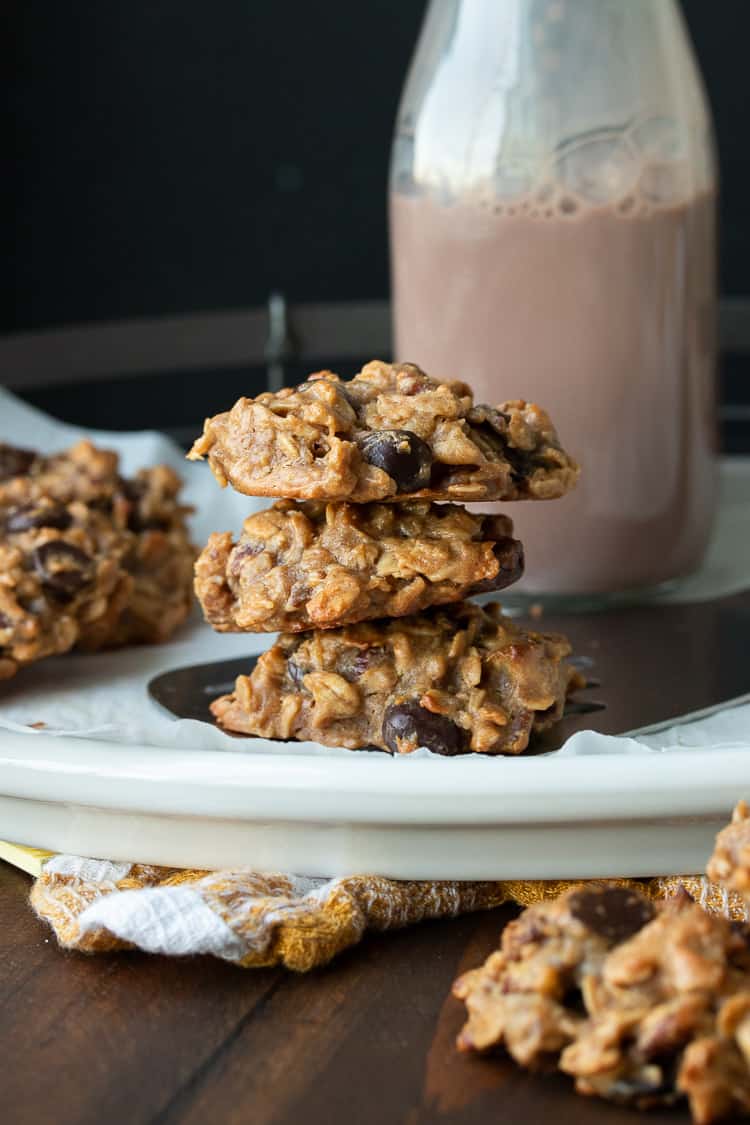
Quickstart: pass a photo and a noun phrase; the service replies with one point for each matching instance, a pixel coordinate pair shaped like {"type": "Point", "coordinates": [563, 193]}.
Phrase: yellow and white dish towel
{"type": "Point", "coordinates": [253, 920]}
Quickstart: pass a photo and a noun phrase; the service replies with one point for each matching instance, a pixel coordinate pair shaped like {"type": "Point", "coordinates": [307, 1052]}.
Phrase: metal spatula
{"type": "Point", "coordinates": [646, 667]}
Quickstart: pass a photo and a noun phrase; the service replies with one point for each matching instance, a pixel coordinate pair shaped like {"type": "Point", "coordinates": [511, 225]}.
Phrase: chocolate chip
{"type": "Point", "coordinates": [740, 930]}
{"type": "Point", "coordinates": [509, 554]}
{"type": "Point", "coordinates": [573, 1001]}
{"type": "Point", "coordinates": [138, 524]}
{"type": "Point", "coordinates": [614, 913]}
{"type": "Point", "coordinates": [15, 462]}
{"type": "Point", "coordinates": [31, 516]}
{"type": "Point", "coordinates": [349, 398]}
{"type": "Point", "coordinates": [410, 721]}
{"type": "Point", "coordinates": [64, 570]}
{"type": "Point", "coordinates": [5, 621]}
{"type": "Point", "coordinates": [493, 427]}
{"type": "Point", "coordinates": [522, 464]}
{"type": "Point", "coordinates": [134, 491]}
{"type": "Point", "coordinates": [400, 454]}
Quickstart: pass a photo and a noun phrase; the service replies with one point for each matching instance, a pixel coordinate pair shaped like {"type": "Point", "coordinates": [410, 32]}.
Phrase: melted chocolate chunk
{"type": "Point", "coordinates": [137, 524]}
{"type": "Point", "coordinates": [32, 516]}
{"type": "Point", "coordinates": [15, 462]}
{"type": "Point", "coordinates": [741, 931]}
{"type": "Point", "coordinates": [409, 720]}
{"type": "Point", "coordinates": [522, 464]}
{"type": "Point", "coordinates": [400, 454]}
{"type": "Point", "coordinates": [493, 426]}
{"type": "Point", "coordinates": [614, 913]}
{"type": "Point", "coordinates": [64, 570]}
{"type": "Point", "coordinates": [134, 491]}
{"type": "Point", "coordinates": [509, 554]}
{"type": "Point", "coordinates": [349, 399]}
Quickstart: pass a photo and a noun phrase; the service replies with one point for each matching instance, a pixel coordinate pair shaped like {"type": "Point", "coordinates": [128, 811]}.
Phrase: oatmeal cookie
{"type": "Point", "coordinates": [392, 432]}
{"type": "Point", "coordinates": [314, 565]}
{"type": "Point", "coordinates": [86, 557]}
{"type": "Point", "coordinates": [457, 679]}
{"type": "Point", "coordinates": [159, 559]}
{"type": "Point", "coordinates": [641, 1004]}
{"type": "Point", "coordinates": [730, 863]}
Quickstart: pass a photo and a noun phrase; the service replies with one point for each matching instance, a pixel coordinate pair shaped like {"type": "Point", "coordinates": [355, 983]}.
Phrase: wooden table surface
{"type": "Point", "coordinates": [128, 1039]}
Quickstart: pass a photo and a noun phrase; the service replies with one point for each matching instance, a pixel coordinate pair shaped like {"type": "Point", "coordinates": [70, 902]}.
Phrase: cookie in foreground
{"type": "Point", "coordinates": [642, 1004]}
{"type": "Point", "coordinates": [457, 679]}
{"type": "Point", "coordinates": [392, 432]}
{"type": "Point", "coordinates": [317, 565]}
{"type": "Point", "coordinates": [87, 558]}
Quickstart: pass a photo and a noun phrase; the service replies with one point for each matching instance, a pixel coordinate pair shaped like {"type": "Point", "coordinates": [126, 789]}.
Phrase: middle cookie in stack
{"type": "Point", "coordinates": [377, 662]}
{"type": "Point", "coordinates": [314, 565]}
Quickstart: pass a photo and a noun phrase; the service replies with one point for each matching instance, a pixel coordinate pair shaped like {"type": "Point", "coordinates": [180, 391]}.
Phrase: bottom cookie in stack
{"type": "Point", "coordinates": [456, 679]}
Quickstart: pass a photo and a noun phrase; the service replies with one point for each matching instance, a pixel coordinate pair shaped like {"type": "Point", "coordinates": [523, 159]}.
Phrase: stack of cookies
{"type": "Point", "coordinates": [365, 563]}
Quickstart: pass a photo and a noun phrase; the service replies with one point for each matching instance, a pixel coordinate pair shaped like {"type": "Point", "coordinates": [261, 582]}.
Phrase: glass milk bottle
{"type": "Point", "coordinates": [552, 203]}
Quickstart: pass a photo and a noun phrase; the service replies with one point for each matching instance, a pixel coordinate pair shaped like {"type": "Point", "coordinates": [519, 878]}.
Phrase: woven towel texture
{"type": "Point", "coordinates": [257, 920]}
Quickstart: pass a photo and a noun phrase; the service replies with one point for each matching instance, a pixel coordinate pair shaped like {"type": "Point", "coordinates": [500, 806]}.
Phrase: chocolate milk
{"type": "Point", "coordinates": [605, 316]}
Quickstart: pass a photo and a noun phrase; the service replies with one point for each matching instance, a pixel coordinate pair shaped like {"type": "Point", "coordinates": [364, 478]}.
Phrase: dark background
{"type": "Point", "coordinates": [175, 156]}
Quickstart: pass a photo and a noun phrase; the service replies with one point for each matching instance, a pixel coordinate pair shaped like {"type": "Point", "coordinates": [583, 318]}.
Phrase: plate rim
{"type": "Point", "coordinates": [359, 788]}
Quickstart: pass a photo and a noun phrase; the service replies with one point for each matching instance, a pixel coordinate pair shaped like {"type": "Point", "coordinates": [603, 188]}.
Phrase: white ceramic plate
{"type": "Point", "coordinates": [413, 817]}
{"type": "Point", "coordinates": [420, 817]}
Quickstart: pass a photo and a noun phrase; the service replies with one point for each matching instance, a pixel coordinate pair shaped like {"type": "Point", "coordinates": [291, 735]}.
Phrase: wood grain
{"type": "Point", "coordinates": [134, 1040]}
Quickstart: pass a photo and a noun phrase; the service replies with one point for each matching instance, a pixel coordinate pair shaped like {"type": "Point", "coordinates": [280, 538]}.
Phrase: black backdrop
{"type": "Point", "coordinates": [174, 155]}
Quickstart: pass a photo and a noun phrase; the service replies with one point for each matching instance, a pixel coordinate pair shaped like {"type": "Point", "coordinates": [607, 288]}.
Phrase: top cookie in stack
{"type": "Point", "coordinates": [360, 536]}
{"type": "Point", "coordinates": [391, 433]}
